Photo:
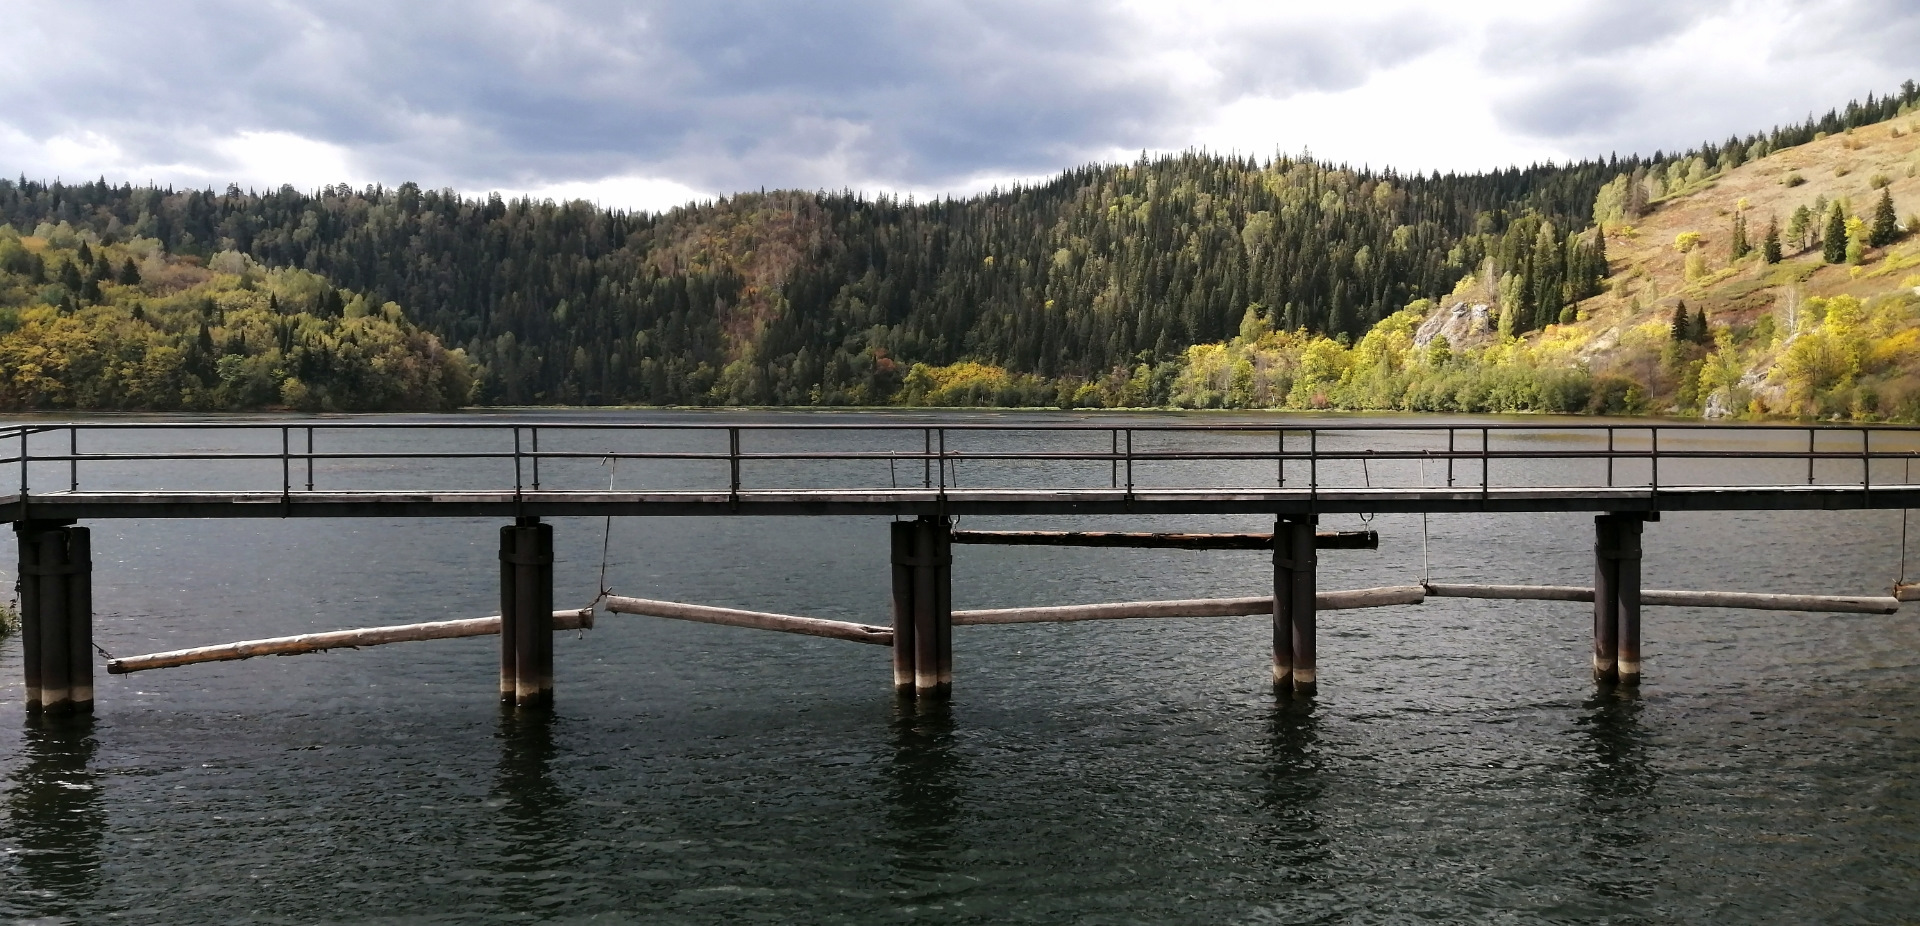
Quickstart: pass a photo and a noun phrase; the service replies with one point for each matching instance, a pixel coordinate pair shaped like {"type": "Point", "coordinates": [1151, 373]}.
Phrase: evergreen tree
{"type": "Point", "coordinates": [1699, 332]}
{"type": "Point", "coordinates": [1885, 230]}
{"type": "Point", "coordinates": [1798, 226]}
{"type": "Point", "coordinates": [129, 274]}
{"type": "Point", "coordinates": [1770, 245]}
{"type": "Point", "coordinates": [1833, 241]}
{"type": "Point", "coordinates": [1681, 328]}
{"type": "Point", "coordinates": [1739, 245]}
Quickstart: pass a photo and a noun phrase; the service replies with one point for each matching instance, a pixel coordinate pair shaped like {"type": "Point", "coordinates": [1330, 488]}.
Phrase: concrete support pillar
{"type": "Point", "coordinates": [1295, 585]}
{"type": "Point", "coordinates": [56, 616]}
{"type": "Point", "coordinates": [526, 614]}
{"type": "Point", "coordinates": [1616, 597]}
{"type": "Point", "coordinates": [922, 555]}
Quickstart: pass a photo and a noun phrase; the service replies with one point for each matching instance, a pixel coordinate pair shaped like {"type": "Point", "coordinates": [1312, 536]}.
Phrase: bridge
{"type": "Point", "coordinates": [921, 475]}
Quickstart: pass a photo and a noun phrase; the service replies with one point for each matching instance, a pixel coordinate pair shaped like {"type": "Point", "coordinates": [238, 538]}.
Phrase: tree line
{"type": "Point", "coordinates": [833, 298]}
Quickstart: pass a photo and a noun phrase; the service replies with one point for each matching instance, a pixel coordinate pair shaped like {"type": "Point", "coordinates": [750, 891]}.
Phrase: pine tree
{"type": "Point", "coordinates": [1770, 245]}
{"type": "Point", "coordinates": [1884, 230]}
{"type": "Point", "coordinates": [1681, 329]}
{"type": "Point", "coordinates": [1833, 241]}
{"type": "Point", "coordinates": [1699, 329]}
{"type": "Point", "coordinates": [1798, 226]}
{"type": "Point", "coordinates": [129, 274]}
{"type": "Point", "coordinates": [1739, 242]}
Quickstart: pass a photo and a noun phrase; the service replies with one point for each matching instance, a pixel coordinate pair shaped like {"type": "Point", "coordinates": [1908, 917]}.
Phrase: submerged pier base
{"type": "Point", "coordinates": [526, 614]}
{"type": "Point", "coordinates": [1616, 597]}
{"type": "Point", "coordinates": [923, 607]}
{"type": "Point", "coordinates": [1295, 586]}
{"type": "Point", "coordinates": [56, 616]}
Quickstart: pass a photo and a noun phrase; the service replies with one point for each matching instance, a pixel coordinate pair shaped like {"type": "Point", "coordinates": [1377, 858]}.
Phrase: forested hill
{"type": "Point", "coordinates": [1105, 273]}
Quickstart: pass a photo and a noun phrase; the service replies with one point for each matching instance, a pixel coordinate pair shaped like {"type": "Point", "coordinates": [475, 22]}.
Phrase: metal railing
{"type": "Point", "coordinates": [309, 454]}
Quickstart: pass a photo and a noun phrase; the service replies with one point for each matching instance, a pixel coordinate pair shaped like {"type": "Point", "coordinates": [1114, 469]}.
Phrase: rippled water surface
{"type": "Point", "coordinates": [1457, 766]}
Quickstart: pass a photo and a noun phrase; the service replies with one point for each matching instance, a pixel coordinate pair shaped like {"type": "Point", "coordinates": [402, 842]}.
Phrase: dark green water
{"type": "Point", "coordinates": [1458, 765]}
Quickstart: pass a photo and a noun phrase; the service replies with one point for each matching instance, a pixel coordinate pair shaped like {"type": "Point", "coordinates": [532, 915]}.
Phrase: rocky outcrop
{"type": "Point", "coordinates": [1461, 324]}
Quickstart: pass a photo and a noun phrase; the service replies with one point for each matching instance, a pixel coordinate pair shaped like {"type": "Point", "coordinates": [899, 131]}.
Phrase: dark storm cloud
{"type": "Point", "coordinates": [720, 95]}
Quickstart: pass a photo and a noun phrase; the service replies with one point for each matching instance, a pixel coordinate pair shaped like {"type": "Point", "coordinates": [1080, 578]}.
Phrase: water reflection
{"type": "Point", "coordinates": [54, 815]}
{"type": "Point", "coordinates": [533, 815]}
{"type": "Point", "coordinates": [1293, 784]}
{"type": "Point", "coordinates": [1617, 784]}
{"type": "Point", "coordinates": [922, 783]}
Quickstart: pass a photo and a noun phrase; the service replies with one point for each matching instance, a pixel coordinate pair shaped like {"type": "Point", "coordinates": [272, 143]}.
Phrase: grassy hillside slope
{"type": "Point", "coordinates": [1799, 337]}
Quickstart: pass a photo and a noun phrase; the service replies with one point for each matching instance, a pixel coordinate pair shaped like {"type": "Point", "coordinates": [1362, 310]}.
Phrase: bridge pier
{"type": "Point", "coordinates": [1616, 596]}
{"type": "Point", "coordinates": [526, 614]}
{"type": "Point", "coordinates": [56, 615]}
{"type": "Point", "coordinates": [922, 554]}
{"type": "Point", "coordinates": [1295, 585]}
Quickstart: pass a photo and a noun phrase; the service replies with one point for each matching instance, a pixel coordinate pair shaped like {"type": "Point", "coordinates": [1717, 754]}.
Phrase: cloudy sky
{"type": "Point", "coordinates": [648, 104]}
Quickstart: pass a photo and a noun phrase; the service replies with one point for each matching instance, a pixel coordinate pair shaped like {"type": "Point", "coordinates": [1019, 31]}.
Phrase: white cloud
{"type": "Point", "coordinates": [647, 194]}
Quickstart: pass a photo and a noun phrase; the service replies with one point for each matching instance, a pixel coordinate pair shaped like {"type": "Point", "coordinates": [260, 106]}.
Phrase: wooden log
{"type": "Point", "coordinates": [1190, 607]}
{"type": "Point", "coordinates": [1325, 540]}
{"type": "Point", "coordinates": [1907, 591]}
{"type": "Point", "coordinates": [1831, 604]}
{"type": "Point", "coordinates": [1511, 592]}
{"type": "Point", "coordinates": [758, 620]}
{"type": "Point", "coordinates": [581, 619]}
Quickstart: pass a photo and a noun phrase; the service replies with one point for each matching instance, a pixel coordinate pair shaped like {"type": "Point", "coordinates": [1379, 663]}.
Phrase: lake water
{"type": "Point", "coordinates": [1458, 764]}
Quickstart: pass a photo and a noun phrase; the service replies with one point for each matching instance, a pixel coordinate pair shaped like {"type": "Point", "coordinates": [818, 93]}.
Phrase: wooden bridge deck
{"type": "Point", "coordinates": [780, 502]}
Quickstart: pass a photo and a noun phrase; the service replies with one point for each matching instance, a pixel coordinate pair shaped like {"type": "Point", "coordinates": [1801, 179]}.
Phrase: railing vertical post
{"type": "Point", "coordinates": [1811, 435]}
{"type": "Point", "coordinates": [1609, 458]}
{"type": "Point", "coordinates": [1485, 464]}
{"type": "Point", "coordinates": [1113, 458]}
{"type": "Point", "coordinates": [1450, 451]}
{"type": "Point", "coordinates": [1654, 457]}
{"type": "Point", "coordinates": [309, 459]}
{"type": "Point", "coordinates": [926, 458]}
{"type": "Point", "coordinates": [286, 463]}
{"type": "Point", "coordinates": [73, 458]}
{"type": "Point", "coordinates": [1280, 458]}
{"type": "Point", "coordinates": [1129, 464]}
{"type": "Point", "coordinates": [536, 458]}
{"type": "Point", "coordinates": [733, 465]}
{"type": "Point", "coordinates": [1313, 462]}
{"type": "Point", "coordinates": [516, 461]}
{"type": "Point", "coordinates": [943, 462]}
{"type": "Point", "coordinates": [1866, 462]}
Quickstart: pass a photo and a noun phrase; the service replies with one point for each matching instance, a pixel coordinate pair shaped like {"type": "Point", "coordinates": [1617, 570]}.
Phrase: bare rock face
{"type": "Point", "coordinates": [1461, 324]}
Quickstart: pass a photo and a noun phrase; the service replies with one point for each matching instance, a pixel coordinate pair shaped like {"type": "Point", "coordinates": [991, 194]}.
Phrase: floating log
{"type": "Point", "coordinates": [1907, 591]}
{"type": "Point", "coordinates": [1192, 607]}
{"type": "Point", "coordinates": [335, 639]}
{"type": "Point", "coordinates": [759, 620]}
{"type": "Point", "coordinates": [1325, 540]}
{"type": "Point", "coordinates": [1832, 604]}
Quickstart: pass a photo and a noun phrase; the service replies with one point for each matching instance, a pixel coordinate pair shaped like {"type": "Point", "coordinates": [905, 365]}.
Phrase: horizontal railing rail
{"type": "Point", "coordinates": [1296, 453]}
